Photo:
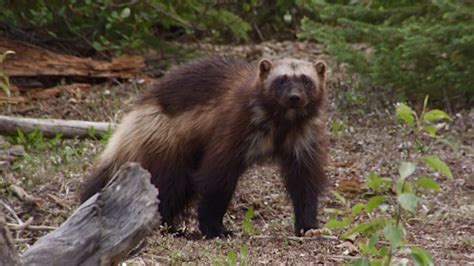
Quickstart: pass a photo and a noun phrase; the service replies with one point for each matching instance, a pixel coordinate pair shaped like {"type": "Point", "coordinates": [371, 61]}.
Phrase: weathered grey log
{"type": "Point", "coordinates": [8, 255]}
{"type": "Point", "coordinates": [105, 228]}
{"type": "Point", "coordinates": [50, 127]}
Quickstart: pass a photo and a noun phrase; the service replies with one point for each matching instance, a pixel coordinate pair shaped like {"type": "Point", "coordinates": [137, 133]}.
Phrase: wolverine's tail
{"type": "Point", "coordinates": [96, 181]}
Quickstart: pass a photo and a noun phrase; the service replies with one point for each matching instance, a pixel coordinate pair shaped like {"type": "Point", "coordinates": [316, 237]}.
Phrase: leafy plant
{"type": "Point", "coordinates": [411, 47]}
{"type": "Point", "coordinates": [112, 27]}
{"type": "Point", "coordinates": [35, 140]}
{"type": "Point", "coordinates": [4, 80]}
{"type": "Point", "coordinates": [386, 221]}
{"type": "Point", "coordinates": [247, 223]}
{"type": "Point", "coordinates": [232, 259]}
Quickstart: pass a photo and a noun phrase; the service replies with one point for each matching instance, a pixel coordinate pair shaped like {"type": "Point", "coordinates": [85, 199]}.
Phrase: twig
{"type": "Point", "coordinates": [259, 33]}
{"type": "Point", "coordinates": [10, 210]}
{"type": "Point", "coordinates": [342, 257]}
{"type": "Point", "coordinates": [27, 225]}
{"type": "Point", "coordinates": [20, 226]}
{"type": "Point", "coordinates": [23, 195]}
{"type": "Point", "coordinates": [295, 238]}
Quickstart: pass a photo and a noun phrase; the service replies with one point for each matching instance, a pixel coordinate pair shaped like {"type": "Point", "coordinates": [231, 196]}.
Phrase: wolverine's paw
{"type": "Point", "coordinates": [307, 231]}
{"type": "Point", "coordinates": [315, 232]}
{"type": "Point", "coordinates": [213, 232]}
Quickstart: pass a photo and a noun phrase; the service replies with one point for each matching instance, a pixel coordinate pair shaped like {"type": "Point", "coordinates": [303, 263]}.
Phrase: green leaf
{"type": "Point", "coordinates": [378, 183]}
{"type": "Point", "coordinates": [373, 203]}
{"type": "Point", "coordinates": [408, 201]}
{"type": "Point", "coordinates": [361, 262]}
{"type": "Point", "coordinates": [125, 13]}
{"type": "Point", "coordinates": [430, 129]}
{"type": "Point", "coordinates": [384, 251]}
{"type": "Point", "coordinates": [394, 235]}
{"type": "Point", "coordinates": [337, 224]}
{"type": "Point", "coordinates": [247, 223]}
{"type": "Point", "coordinates": [428, 183]}
{"type": "Point", "coordinates": [365, 228]}
{"type": "Point", "coordinates": [371, 242]}
{"type": "Point", "coordinates": [356, 209]}
{"type": "Point", "coordinates": [405, 113]}
{"type": "Point", "coordinates": [437, 164]}
{"type": "Point", "coordinates": [403, 186]}
{"type": "Point", "coordinates": [421, 257]}
{"type": "Point", "coordinates": [356, 229]}
{"type": "Point", "coordinates": [435, 115]}
{"type": "Point", "coordinates": [339, 196]}
{"type": "Point", "coordinates": [232, 257]}
{"type": "Point", "coordinates": [376, 263]}
{"type": "Point", "coordinates": [406, 169]}
{"type": "Point", "coordinates": [425, 102]}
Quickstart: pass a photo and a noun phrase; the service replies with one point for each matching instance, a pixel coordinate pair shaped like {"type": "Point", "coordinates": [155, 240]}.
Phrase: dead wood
{"type": "Point", "coordinates": [8, 255]}
{"type": "Point", "coordinates": [32, 61]}
{"type": "Point", "coordinates": [11, 153]}
{"type": "Point", "coordinates": [22, 195]}
{"type": "Point", "coordinates": [38, 94]}
{"type": "Point", "coordinates": [12, 99]}
{"type": "Point", "coordinates": [51, 127]}
{"type": "Point", "coordinates": [105, 228]}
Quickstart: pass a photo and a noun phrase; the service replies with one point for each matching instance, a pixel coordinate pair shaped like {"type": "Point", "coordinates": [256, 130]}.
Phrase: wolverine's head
{"type": "Point", "coordinates": [293, 83]}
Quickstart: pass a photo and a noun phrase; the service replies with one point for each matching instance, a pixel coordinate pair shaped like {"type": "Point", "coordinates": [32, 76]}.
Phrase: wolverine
{"type": "Point", "coordinates": [204, 123]}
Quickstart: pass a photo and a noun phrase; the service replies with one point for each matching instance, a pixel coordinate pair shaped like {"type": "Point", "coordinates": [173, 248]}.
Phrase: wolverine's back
{"type": "Point", "coordinates": [198, 82]}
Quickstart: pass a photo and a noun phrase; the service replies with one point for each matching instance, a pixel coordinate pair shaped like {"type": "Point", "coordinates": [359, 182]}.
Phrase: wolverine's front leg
{"type": "Point", "coordinates": [304, 180]}
{"type": "Point", "coordinates": [216, 180]}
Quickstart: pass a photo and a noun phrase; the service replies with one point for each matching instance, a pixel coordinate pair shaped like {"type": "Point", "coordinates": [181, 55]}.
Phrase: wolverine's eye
{"type": "Point", "coordinates": [282, 80]}
{"type": "Point", "coordinates": [306, 81]}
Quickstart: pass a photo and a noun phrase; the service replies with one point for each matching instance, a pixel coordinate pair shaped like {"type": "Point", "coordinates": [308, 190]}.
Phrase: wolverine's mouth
{"type": "Point", "coordinates": [300, 104]}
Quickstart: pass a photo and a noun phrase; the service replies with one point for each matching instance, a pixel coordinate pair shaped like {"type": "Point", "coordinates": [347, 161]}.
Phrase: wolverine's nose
{"type": "Point", "coordinates": [294, 99]}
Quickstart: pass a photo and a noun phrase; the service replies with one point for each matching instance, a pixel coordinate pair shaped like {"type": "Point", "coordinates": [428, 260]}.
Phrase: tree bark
{"type": "Point", "coordinates": [50, 127]}
{"type": "Point", "coordinates": [105, 228]}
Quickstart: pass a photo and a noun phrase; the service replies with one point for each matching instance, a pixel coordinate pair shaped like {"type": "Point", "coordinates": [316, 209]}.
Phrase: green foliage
{"type": "Point", "coordinates": [35, 140]}
{"type": "Point", "coordinates": [338, 126]}
{"type": "Point", "coordinates": [247, 223]}
{"type": "Point", "coordinates": [411, 47]}
{"type": "Point", "coordinates": [234, 259]}
{"type": "Point", "coordinates": [388, 223]}
{"type": "Point", "coordinates": [4, 80]}
{"type": "Point", "coordinates": [115, 27]}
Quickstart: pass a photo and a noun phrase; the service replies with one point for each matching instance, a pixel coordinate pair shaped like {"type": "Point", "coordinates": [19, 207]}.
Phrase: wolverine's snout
{"type": "Point", "coordinates": [295, 99]}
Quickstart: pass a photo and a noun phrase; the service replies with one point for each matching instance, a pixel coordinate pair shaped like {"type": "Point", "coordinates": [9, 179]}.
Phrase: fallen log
{"type": "Point", "coordinates": [33, 61]}
{"type": "Point", "coordinates": [104, 229]}
{"type": "Point", "coordinates": [51, 127]}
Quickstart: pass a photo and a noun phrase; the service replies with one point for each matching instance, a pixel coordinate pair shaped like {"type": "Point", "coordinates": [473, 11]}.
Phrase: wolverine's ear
{"type": "Point", "coordinates": [320, 67]}
{"type": "Point", "coordinates": [264, 67]}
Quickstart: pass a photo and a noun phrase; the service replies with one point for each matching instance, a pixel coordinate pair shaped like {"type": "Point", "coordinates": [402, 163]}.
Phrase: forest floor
{"type": "Point", "coordinates": [365, 137]}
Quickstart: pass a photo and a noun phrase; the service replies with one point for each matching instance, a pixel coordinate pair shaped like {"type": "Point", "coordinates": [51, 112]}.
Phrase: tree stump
{"type": "Point", "coordinates": [105, 228]}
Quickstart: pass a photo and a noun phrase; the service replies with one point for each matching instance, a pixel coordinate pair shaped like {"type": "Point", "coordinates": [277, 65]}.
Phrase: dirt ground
{"type": "Point", "coordinates": [365, 136]}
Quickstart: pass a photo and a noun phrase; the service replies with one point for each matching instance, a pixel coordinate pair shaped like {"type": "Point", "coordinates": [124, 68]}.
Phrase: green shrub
{"type": "Point", "coordinates": [414, 47]}
{"type": "Point", "coordinates": [115, 26]}
{"type": "Point", "coordinates": [382, 240]}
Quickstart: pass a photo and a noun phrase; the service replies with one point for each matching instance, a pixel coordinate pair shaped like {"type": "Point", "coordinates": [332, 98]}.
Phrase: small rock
{"type": "Point", "coordinates": [4, 165]}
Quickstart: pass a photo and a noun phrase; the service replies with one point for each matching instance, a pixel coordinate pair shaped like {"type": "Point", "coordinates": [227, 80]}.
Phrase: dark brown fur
{"type": "Point", "coordinates": [207, 121]}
